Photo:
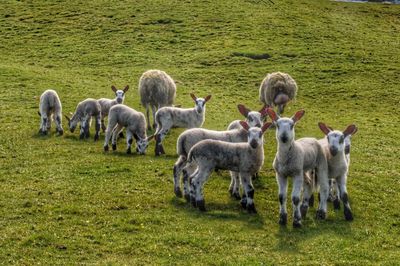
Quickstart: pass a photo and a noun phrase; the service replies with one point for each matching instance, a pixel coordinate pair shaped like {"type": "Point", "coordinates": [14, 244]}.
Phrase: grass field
{"type": "Point", "coordinates": [64, 201]}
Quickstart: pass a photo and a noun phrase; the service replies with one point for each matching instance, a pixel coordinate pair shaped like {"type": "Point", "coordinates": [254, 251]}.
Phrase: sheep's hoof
{"type": "Point", "coordinates": [311, 201]}
{"type": "Point", "coordinates": [201, 205]}
{"type": "Point", "coordinates": [187, 197]}
{"type": "Point", "coordinates": [114, 147]}
{"type": "Point", "coordinates": [283, 218]}
{"type": "Point", "coordinates": [60, 132]}
{"type": "Point", "coordinates": [251, 208]}
{"type": "Point", "coordinates": [347, 214]}
{"type": "Point", "coordinates": [81, 136]}
{"type": "Point", "coordinates": [297, 224]}
{"type": "Point", "coordinates": [243, 202]}
{"type": "Point", "coordinates": [236, 195]}
{"type": "Point", "coordinates": [128, 151]}
{"type": "Point", "coordinates": [106, 148]}
{"type": "Point", "coordinates": [303, 211]}
{"type": "Point", "coordinates": [336, 204]}
{"type": "Point", "coordinates": [96, 137]}
{"type": "Point", "coordinates": [43, 132]}
{"type": "Point", "coordinates": [320, 215]}
{"type": "Point", "coordinates": [178, 192]}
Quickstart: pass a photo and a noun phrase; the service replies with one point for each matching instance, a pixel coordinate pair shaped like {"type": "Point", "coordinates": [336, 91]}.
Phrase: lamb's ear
{"type": "Point", "coordinates": [113, 88]}
{"type": "Point", "coordinates": [243, 110]}
{"type": "Point", "coordinates": [39, 113]}
{"type": "Point", "coordinates": [208, 97]}
{"type": "Point", "coordinates": [193, 96]}
{"type": "Point", "coordinates": [263, 111]}
{"type": "Point", "coordinates": [66, 117]}
{"type": "Point", "coordinates": [265, 127]}
{"type": "Point", "coordinates": [355, 131]}
{"type": "Point", "coordinates": [349, 130]}
{"type": "Point", "coordinates": [244, 125]}
{"type": "Point", "coordinates": [324, 128]}
{"type": "Point", "coordinates": [298, 115]}
{"type": "Point", "coordinates": [126, 88]}
{"type": "Point", "coordinates": [272, 114]}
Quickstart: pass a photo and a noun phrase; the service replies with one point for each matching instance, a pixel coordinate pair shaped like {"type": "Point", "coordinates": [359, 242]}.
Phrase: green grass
{"type": "Point", "coordinates": [64, 201]}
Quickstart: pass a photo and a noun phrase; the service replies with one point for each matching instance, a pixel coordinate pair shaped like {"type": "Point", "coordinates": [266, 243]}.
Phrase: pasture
{"type": "Point", "coordinates": [65, 201]}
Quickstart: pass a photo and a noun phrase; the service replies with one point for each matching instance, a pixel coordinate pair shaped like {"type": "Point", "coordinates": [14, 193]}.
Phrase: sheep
{"type": "Point", "coordinates": [293, 158]}
{"type": "Point", "coordinates": [121, 116]}
{"type": "Point", "coordinates": [192, 136]}
{"type": "Point", "coordinates": [50, 108]}
{"type": "Point", "coordinates": [245, 158]}
{"type": "Point", "coordinates": [83, 114]}
{"type": "Point", "coordinates": [157, 89]}
{"type": "Point", "coordinates": [338, 163]}
{"type": "Point", "coordinates": [106, 104]}
{"type": "Point", "coordinates": [168, 117]}
{"type": "Point", "coordinates": [277, 89]}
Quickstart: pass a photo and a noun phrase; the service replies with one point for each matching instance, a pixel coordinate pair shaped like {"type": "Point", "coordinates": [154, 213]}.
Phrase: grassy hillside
{"type": "Point", "coordinates": [64, 201]}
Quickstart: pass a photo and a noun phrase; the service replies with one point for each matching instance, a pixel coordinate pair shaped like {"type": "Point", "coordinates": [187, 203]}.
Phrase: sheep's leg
{"type": "Point", "coordinates": [129, 140]}
{"type": "Point", "coordinates": [234, 186]}
{"type": "Point", "coordinates": [348, 215]}
{"type": "Point", "coordinates": [109, 131]}
{"type": "Point", "coordinates": [192, 196]}
{"type": "Point", "coordinates": [103, 126]}
{"type": "Point", "coordinates": [159, 138]}
{"type": "Point", "coordinates": [249, 192]}
{"type": "Point", "coordinates": [48, 125]}
{"type": "Point", "coordinates": [188, 171]}
{"type": "Point", "coordinates": [198, 183]}
{"type": "Point", "coordinates": [115, 135]}
{"type": "Point", "coordinates": [43, 125]}
{"type": "Point", "coordinates": [154, 110]}
{"type": "Point", "coordinates": [281, 109]}
{"type": "Point", "coordinates": [178, 166]}
{"type": "Point", "coordinates": [307, 195]}
{"type": "Point", "coordinates": [336, 199]}
{"type": "Point", "coordinates": [148, 117]}
{"type": "Point", "coordinates": [82, 131]}
{"type": "Point", "coordinates": [97, 127]}
{"type": "Point", "coordinates": [282, 184]}
{"type": "Point", "coordinates": [296, 192]}
{"type": "Point", "coordinates": [59, 127]}
{"type": "Point", "coordinates": [322, 174]}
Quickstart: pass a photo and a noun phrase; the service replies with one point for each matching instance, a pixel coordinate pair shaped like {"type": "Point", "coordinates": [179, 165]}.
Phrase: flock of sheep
{"type": "Point", "coordinates": [314, 165]}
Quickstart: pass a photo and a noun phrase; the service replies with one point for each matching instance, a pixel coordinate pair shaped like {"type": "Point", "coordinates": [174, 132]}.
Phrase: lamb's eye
{"type": "Point", "coordinates": [291, 127]}
{"type": "Point", "coordinates": [250, 119]}
{"type": "Point", "coordinates": [341, 139]}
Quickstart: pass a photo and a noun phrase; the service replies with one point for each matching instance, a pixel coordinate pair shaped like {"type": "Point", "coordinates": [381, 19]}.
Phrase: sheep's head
{"type": "Point", "coordinates": [285, 125]}
{"type": "Point", "coordinates": [255, 134]}
{"type": "Point", "coordinates": [253, 118]}
{"type": "Point", "coordinates": [200, 102]}
{"type": "Point", "coordinates": [142, 144]}
{"type": "Point", "coordinates": [120, 94]}
{"type": "Point", "coordinates": [72, 122]}
{"type": "Point", "coordinates": [336, 138]}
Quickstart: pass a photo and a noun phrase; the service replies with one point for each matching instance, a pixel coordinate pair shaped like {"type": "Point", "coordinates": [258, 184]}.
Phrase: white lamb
{"type": "Point", "coordinates": [50, 108]}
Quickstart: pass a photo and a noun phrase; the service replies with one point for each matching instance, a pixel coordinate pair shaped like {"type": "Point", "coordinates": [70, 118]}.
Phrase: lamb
{"type": "Point", "coordinates": [277, 89]}
{"type": "Point", "coordinates": [293, 158]}
{"type": "Point", "coordinates": [106, 104]}
{"type": "Point", "coordinates": [121, 116]}
{"type": "Point", "coordinates": [157, 89]}
{"type": "Point", "coordinates": [253, 118]}
{"type": "Point", "coordinates": [245, 158]}
{"type": "Point", "coordinates": [192, 136]}
{"type": "Point", "coordinates": [334, 148]}
{"type": "Point", "coordinates": [83, 114]}
{"type": "Point", "coordinates": [168, 117]}
{"type": "Point", "coordinates": [50, 108]}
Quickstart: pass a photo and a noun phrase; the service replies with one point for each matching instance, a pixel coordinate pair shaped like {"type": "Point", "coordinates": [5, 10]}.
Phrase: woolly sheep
{"type": "Point", "coordinates": [294, 158]}
{"type": "Point", "coordinates": [84, 112]}
{"type": "Point", "coordinates": [121, 116]}
{"type": "Point", "coordinates": [157, 89]}
{"type": "Point", "coordinates": [245, 158]}
{"type": "Point", "coordinates": [168, 117]}
{"type": "Point", "coordinates": [192, 136]}
{"type": "Point", "coordinates": [277, 89]}
{"type": "Point", "coordinates": [106, 104]}
{"type": "Point", "coordinates": [50, 108]}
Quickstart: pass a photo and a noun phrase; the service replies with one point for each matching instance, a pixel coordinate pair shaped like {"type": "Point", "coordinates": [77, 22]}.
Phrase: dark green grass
{"type": "Point", "coordinates": [64, 201]}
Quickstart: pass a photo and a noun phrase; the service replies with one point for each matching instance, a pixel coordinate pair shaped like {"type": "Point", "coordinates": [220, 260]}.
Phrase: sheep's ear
{"type": "Point", "coordinates": [298, 115]}
{"type": "Point", "coordinates": [208, 97]}
{"type": "Point", "coordinates": [324, 128]}
{"type": "Point", "coordinates": [349, 130]}
{"type": "Point", "coordinates": [272, 114]}
{"type": "Point", "coordinates": [265, 127]}
{"type": "Point", "coordinates": [113, 88]}
{"type": "Point", "coordinates": [39, 113]}
{"type": "Point", "coordinates": [244, 125]}
{"type": "Point", "coordinates": [355, 131]}
{"type": "Point", "coordinates": [126, 88]}
{"type": "Point", "coordinates": [263, 111]}
{"type": "Point", "coordinates": [66, 117]}
{"type": "Point", "coordinates": [193, 96]}
{"type": "Point", "coordinates": [243, 110]}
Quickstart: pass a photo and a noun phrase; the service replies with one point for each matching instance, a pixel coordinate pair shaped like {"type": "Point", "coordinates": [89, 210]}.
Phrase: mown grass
{"type": "Point", "coordinates": [64, 201]}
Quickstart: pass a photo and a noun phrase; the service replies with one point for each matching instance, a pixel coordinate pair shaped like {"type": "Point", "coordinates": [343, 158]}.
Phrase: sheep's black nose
{"type": "Point", "coordinates": [284, 138]}
{"type": "Point", "coordinates": [253, 143]}
{"type": "Point", "coordinates": [333, 150]}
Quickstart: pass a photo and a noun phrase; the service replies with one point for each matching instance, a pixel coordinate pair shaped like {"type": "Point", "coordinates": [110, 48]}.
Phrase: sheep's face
{"type": "Point", "coordinates": [336, 142]}
{"type": "Point", "coordinates": [141, 146]}
{"type": "Point", "coordinates": [254, 137]}
{"type": "Point", "coordinates": [72, 124]}
{"type": "Point", "coordinates": [285, 130]}
{"type": "Point", "coordinates": [119, 96]}
{"type": "Point", "coordinates": [254, 119]}
{"type": "Point", "coordinates": [200, 105]}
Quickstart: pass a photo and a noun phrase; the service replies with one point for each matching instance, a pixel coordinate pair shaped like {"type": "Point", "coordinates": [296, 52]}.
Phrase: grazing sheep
{"type": "Point", "coordinates": [338, 163]}
{"type": "Point", "coordinates": [294, 158]}
{"type": "Point", "coordinates": [121, 116]}
{"type": "Point", "coordinates": [83, 114]}
{"type": "Point", "coordinates": [168, 117]}
{"type": "Point", "coordinates": [245, 158]}
{"type": "Point", "coordinates": [157, 89]}
{"type": "Point", "coordinates": [50, 108]}
{"type": "Point", "coordinates": [277, 89]}
{"type": "Point", "coordinates": [192, 136]}
{"type": "Point", "coordinates": [106, 104]}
